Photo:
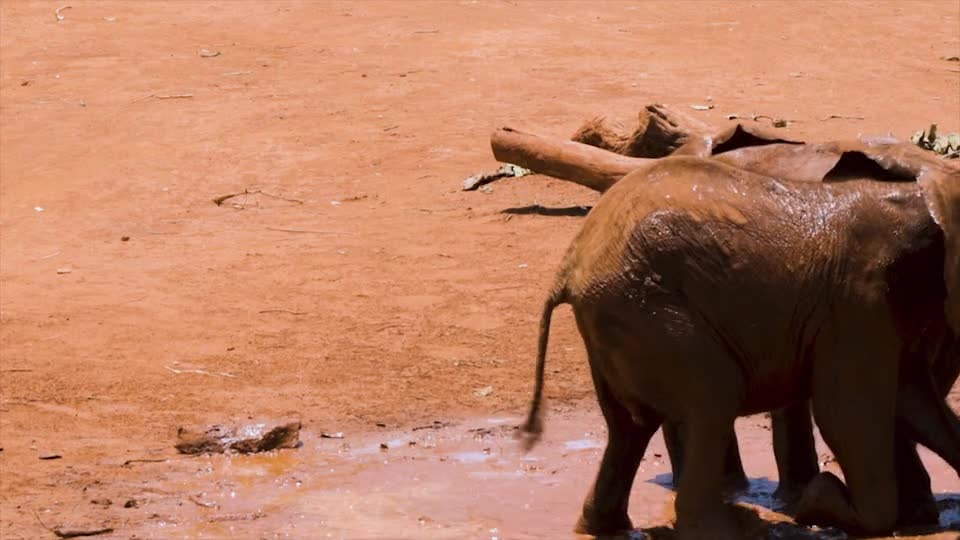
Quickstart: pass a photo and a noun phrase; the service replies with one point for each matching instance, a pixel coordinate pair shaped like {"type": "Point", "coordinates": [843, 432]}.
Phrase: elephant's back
{"type": "Point", "coordinates": [658, 219]}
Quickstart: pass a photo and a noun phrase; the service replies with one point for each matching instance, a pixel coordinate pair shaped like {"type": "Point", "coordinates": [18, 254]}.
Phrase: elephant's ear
{"type": "Point", "coordinates": [942, 192]}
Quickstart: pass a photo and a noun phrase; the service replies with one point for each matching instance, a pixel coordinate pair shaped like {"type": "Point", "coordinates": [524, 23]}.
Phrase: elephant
{"type": "Point", "coordinates": [766, 153]}
{"type": "Point", "coordinates": [884, 159]}
{"type": "Point", "coordinates": [744, 147]}
{"type": "Point", "coordinates": [704, 292]}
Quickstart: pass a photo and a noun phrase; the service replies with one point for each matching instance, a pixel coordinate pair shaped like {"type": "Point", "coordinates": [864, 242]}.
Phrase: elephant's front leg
{"type": "Point", "coordinates": [794, 449]}
{"type": "Point", "coordinates": [605, 509]}
{"type": "Point", "coordinates": [734, 477]}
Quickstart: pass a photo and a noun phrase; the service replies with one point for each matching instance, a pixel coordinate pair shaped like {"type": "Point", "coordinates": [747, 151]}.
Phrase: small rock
{"type": "Point", "coordinates": [48, 457]}
{"type": "Point", "coordinates": [131, 503]}
{"type": "Point", "coordinates": [484, 392]}
{"type": "Point", "coordinates": [383, 446]}
{"type": "Point", "coordinates": [124, 238]}
{"type": "Point", "coordinates": [64, 270]}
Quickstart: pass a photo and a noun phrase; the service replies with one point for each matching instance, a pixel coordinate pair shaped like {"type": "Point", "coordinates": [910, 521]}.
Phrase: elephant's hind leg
{"type": "Point", "coordinates": [795, 449]}
{"type": "Point", "coordinates": [701, 512]}
{"type": "Point", "coordinates": [855, 410]}
{"type": "Point", "coordinates": [605, 509]}
{"type": "Point", "coordinates": [734, 477]}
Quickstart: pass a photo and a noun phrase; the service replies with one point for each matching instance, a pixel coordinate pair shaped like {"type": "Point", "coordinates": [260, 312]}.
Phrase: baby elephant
{"type": "Point", "coordinates": [704, 292]}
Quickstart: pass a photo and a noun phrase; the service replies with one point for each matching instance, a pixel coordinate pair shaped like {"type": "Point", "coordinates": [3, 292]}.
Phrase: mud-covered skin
{"type": "Point", "coordinates": [704, 292]}
{"type": "Point", "coordinates": [882, 159]}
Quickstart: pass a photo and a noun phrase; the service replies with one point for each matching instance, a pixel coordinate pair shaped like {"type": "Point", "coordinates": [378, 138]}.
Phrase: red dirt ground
{"type": "Point", "coordinates": [379, 292]}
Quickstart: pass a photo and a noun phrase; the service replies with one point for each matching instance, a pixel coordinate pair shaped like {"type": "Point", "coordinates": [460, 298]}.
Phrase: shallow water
{"type": "Point", "coordinates": [468, 480]}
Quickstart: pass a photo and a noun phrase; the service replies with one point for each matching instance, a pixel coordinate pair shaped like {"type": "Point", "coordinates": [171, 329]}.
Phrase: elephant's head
{"type": "Point", "coordinates": [894, 161]}
{"type": "Point", "coordinates": [941, 188]}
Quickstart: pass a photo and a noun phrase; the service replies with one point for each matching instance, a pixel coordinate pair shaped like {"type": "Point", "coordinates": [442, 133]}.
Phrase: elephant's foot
{"type": "Point", "coordinates": [916, 506]}
{"type": "Point", "coordinates": [820, 502]}
{"type": "Point", "coordinates": [789, 492]}
{"type": "Point", "coordinates": [827, 503]}
{"type": "Point", "coordinates": [735, 482]}
{"type": "Point", "coordinates": [597, 524]}
{"type": "Point", "coordinates": [920, 511]}
{"type": "Point", "coordinates": [727, 522]}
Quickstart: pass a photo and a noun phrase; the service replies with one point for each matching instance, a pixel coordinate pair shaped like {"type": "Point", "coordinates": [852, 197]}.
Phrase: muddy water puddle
{"type": "Point", "coordinates": [464, 480]}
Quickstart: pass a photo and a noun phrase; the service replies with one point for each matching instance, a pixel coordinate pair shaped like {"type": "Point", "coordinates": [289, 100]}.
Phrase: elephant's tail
{"type": "Point", "coordinates": [533, 427]}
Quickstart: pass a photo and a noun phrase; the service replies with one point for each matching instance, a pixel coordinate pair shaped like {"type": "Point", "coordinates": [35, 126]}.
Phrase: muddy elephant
{"type": "Point", "coordinates": [704, 292]}
{"type": "Point", "coordinates": [765, 153]}
{"type": "Point", "coordinates": [883, 159]}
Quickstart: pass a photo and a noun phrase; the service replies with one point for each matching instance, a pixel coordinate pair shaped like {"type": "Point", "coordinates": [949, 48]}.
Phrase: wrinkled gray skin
{"type": "Point", "coordinates": [704, 292]}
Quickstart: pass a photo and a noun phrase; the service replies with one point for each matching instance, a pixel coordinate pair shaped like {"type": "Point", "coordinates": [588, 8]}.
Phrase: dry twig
{"type": "Point", "coordinates": [165, 96]}
{"type": "Point", "coordinates": [60, 532]}
{"type": "Point", "coordinates": [132, 461]}
{"type": "Point", "coordinates": [840, 117]}
{"type": "Point", "coordinates": [305, 231]}
{"type": "Point", "coordinates": [198, 502]}
{"type": "Point", "coordinates": [223, 198]}
{"type": "Point", "coordinates": [201, 372]}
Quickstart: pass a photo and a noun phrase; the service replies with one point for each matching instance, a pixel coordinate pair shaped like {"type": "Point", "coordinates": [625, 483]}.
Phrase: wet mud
{"type": "Point", "coordinates": [457, 479]}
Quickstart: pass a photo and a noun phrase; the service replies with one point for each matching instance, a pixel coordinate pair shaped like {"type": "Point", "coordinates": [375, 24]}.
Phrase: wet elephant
{"type": "Point", "coordinates": [704, 292]}
{"type": "Point", "coordinates": [748, 148]}
{"type": "Point", "coordinates": [882, 159]}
